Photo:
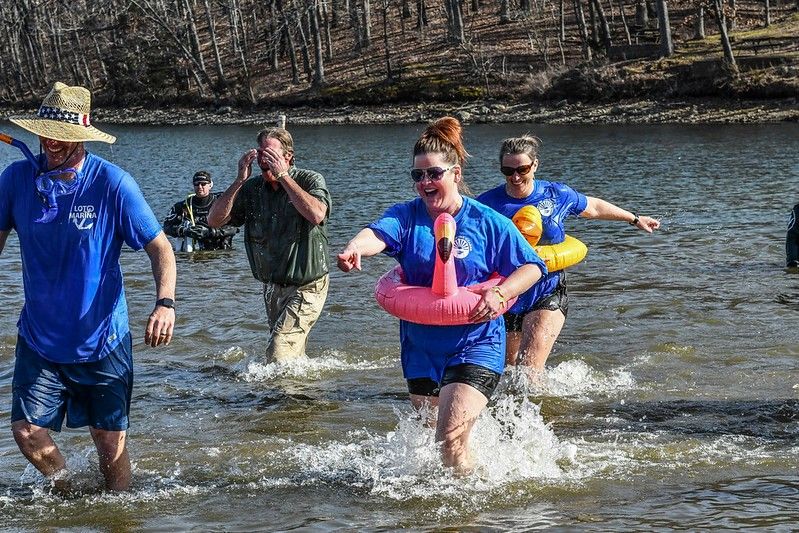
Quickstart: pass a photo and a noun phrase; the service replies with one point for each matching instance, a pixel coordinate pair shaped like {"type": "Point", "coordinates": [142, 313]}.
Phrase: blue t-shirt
{"type": "Point", "coordinates": [556, 202]}
{"type": "Point", "coordinates": [484, 243]}
{"type": "Point", "coordinates": [75, 309]}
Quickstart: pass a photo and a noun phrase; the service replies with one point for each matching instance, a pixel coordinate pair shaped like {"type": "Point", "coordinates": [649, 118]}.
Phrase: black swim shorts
{"type": "Point", "coordinates": [479, 377]}
{"type": "Point", "coordinates": [556, 300]}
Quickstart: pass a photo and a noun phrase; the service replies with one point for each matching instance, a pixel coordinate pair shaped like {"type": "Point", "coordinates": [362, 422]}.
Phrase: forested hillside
{"type": "Point", "coordinates": [266, 52]}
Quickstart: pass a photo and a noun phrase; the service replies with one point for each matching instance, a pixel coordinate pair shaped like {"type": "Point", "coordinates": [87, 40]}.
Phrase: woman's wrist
{"type": "Point", "coordinates": [635, 220]}
{"type": "Point", "coordinates": [502, 300]}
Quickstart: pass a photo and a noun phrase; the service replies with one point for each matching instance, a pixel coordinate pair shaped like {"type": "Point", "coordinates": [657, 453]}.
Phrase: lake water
{"type": "Point", "coordinates": [671, 398]}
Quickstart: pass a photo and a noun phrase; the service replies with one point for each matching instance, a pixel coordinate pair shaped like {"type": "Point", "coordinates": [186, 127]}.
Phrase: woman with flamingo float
{"type": "Point", "coordinates": [455, 367]}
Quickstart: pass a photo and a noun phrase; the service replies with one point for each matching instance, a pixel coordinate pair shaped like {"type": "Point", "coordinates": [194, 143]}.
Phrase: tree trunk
{"type": "Point", "coordinates": [603, 25]}
{"type": "Point", "coordinates": [580, 15]}
{"type": "Point", "coordinates": [641, 14]}
{"type": "Point", "coordinates": [421, 15]}
{"type": "Point", "coordinates": [729, 58]}
{"type": "Point", "coordinates": [456, 22]}
{"type": "Point", "coordinates": [323, 15]}
{"type": "Point", "coordinates": [699, 26]}
{"type": "Point", "coordinates": [389, 69]}
{"type": "Point", "coordinates": [313, 14]}
{"type": "Point", "coordinates": [504, 11]}
{"type": "Point", "coordinates": [732, 21]}
{"type": "Point", "coordinates": [767, 21]}
{"type": "Point", "coordinates": [562, 33]}
{"type": "Point", "coordinates": [367, 24]}
{"type": "Point", "coordinates": [594, 29]}
{"type": "Point", "coordinates": [306, 55]}
{"type": "Point", "coordinates": [220, 72]}
{"type": "Point", "coordinates": [624, 23]}
{"type": "Point", "coordinates": [356, 23]}
{"type": "Point", "coordinates": [666, 44]}
{"type": "Point", "coordinates": [295, 70]}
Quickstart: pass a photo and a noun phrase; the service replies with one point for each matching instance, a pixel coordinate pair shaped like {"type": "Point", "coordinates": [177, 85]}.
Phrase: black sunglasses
{"type": "Point", "coordinates": [522, 170]}
{"type": "Point", "coordinates": [434, 173]}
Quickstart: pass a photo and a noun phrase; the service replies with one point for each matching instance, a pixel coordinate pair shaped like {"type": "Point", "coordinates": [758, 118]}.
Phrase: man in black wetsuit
{"type": "Point", "coordinates": [188, 218]}
{"type": "Point", "coordinates": [792, 239]}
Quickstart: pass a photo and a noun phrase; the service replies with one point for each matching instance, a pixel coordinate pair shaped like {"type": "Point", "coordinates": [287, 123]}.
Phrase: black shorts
{"type": "Point", "coordinates": [556, 300]}
{"type": "Point", "coordinates": [479, 377]}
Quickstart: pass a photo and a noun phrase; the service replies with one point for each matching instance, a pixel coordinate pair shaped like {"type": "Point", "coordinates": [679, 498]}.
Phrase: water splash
{"type": "Point", "coordinates": [571, 379]}
{"type": "Point", "coordinates": [251, 369]}
{"type": "Point", "coordinates": [510, 443]}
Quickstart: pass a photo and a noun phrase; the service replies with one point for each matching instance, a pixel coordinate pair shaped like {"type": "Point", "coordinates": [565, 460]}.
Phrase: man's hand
{"type": "Point", "coordinates": [245, 164]}
{"type": "Point", "coordinates": [276, 162]}
{"type": "Point", "coordinates": [160, 326]}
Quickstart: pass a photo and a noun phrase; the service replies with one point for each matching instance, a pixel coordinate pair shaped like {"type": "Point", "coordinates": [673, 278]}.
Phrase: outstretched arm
{"type": "Point", "coordinates": [791, 239]}
{"type": "Point", "coordinates": [366, 243]}
{"type": "Point", "coordinates": [604, 210]}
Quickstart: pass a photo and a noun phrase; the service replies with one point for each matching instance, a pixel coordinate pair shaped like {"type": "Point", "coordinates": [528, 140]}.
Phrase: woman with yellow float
{"type": "Point", "coordinates": [539, 208]}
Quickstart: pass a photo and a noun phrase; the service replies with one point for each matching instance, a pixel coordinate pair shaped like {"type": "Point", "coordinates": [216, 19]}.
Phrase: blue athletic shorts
{"type": "Point", "coordinates": [95, 394]}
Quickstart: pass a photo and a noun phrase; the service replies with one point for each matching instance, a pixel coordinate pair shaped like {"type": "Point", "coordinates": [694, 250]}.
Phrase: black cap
{"type": "Point", "coordinates": [201, 176]}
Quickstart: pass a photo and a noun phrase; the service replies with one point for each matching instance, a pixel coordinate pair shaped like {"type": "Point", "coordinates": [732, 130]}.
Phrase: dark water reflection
{"type": "Point", "coordinates": [671, 399]}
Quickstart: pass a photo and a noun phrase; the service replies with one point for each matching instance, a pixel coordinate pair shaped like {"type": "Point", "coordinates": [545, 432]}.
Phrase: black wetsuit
{"type": "Point", "coordinates": [180, 217]}
{"type": "Point", "coordinates": [792, 239]}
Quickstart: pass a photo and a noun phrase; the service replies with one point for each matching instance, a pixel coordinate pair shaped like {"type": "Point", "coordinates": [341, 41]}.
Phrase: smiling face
{"type": "Point", "coordinates": [438, 195]}
{"type": "Point", "coordinates": [61, 154]}
{"type": "Point", "coordinates": [202, 188]}
{"type": "Point", "coordinates": [520, 182]}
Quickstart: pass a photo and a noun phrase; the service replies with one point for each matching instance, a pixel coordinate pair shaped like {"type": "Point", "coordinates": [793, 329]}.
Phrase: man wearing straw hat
{"type": "Point", "coordinates": [284, 212]}
{"type": "Point", "coordinates": [72, 212]}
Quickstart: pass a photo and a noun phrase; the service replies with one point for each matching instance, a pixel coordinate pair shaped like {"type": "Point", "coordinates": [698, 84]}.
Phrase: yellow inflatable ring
{"type": "Point", "coordinates": [556, 256]}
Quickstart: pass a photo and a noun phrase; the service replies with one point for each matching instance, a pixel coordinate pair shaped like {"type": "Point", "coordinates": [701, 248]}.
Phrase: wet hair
{"type": "Point", "coordinates": [444, 136]}
{"type": "Point", "coordinates": [282, 135]}
{"type": "Point", "coordinates": [527, 144]}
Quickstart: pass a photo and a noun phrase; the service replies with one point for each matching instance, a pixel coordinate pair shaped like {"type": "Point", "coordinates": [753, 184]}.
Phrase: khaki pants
{"type": "Point", "coordinates": [291, 312]}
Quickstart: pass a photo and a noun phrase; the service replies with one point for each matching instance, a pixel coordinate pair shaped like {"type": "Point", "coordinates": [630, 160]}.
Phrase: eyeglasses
{"type": "Point", "coordinates": [522, 170]}
{"type": "Point", "coordinates": [202, 183]}
{"type": "Point", "coordinates": [434, 173]}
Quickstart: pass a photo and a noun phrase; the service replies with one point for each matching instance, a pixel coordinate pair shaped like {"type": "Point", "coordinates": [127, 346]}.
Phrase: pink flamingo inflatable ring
{"type": "Point", "coordinates": [443, 304]}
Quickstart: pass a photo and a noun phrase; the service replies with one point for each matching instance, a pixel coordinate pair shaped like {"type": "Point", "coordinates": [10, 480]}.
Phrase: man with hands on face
{"type": "Point", "coordinates": [284, 212]}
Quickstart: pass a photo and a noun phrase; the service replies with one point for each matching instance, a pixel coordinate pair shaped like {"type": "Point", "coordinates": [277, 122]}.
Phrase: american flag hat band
{"type": "Point", "coordinates": [70, 117]}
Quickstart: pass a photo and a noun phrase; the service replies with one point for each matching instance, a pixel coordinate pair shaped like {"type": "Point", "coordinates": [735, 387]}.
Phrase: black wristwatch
{"type": "Point", "coordinates": [165, 302]}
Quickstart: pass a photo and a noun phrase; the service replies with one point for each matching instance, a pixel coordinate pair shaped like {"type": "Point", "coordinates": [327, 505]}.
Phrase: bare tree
{"type": "Point", "coordinates": [579, 14]}
{"type": "Point", "coordinates": [729, 58]}
{"type": "Point", "coordinates": [666, 45]}
{"type": "Point", "coordinates": [699, 23]}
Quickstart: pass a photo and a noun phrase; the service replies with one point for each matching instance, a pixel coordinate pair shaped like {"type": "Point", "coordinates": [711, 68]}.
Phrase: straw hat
{"type": "Point", "coordinates": [64, 116]}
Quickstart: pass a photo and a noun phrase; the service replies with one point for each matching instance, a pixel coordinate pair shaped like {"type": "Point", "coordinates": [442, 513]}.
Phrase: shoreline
{"type": "Point", "coordinates": [639, 111]}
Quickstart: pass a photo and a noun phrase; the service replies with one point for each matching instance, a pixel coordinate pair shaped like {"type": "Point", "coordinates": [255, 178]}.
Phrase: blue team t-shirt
{"type": "Point", "coordinates": [556, 202]}
{"type": "Point", "coordinates": [485, 242]}
{"type": "Point", "coordinates": [75, 309]}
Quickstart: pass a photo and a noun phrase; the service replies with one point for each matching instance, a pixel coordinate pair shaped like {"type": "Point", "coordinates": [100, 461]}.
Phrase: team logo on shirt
{"type": "Point", "coordinates": [546, 207]}
{"type": "Point", "coordinates": [83, 216]}
{"type": "Point", "coordinates": [462, 247]}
